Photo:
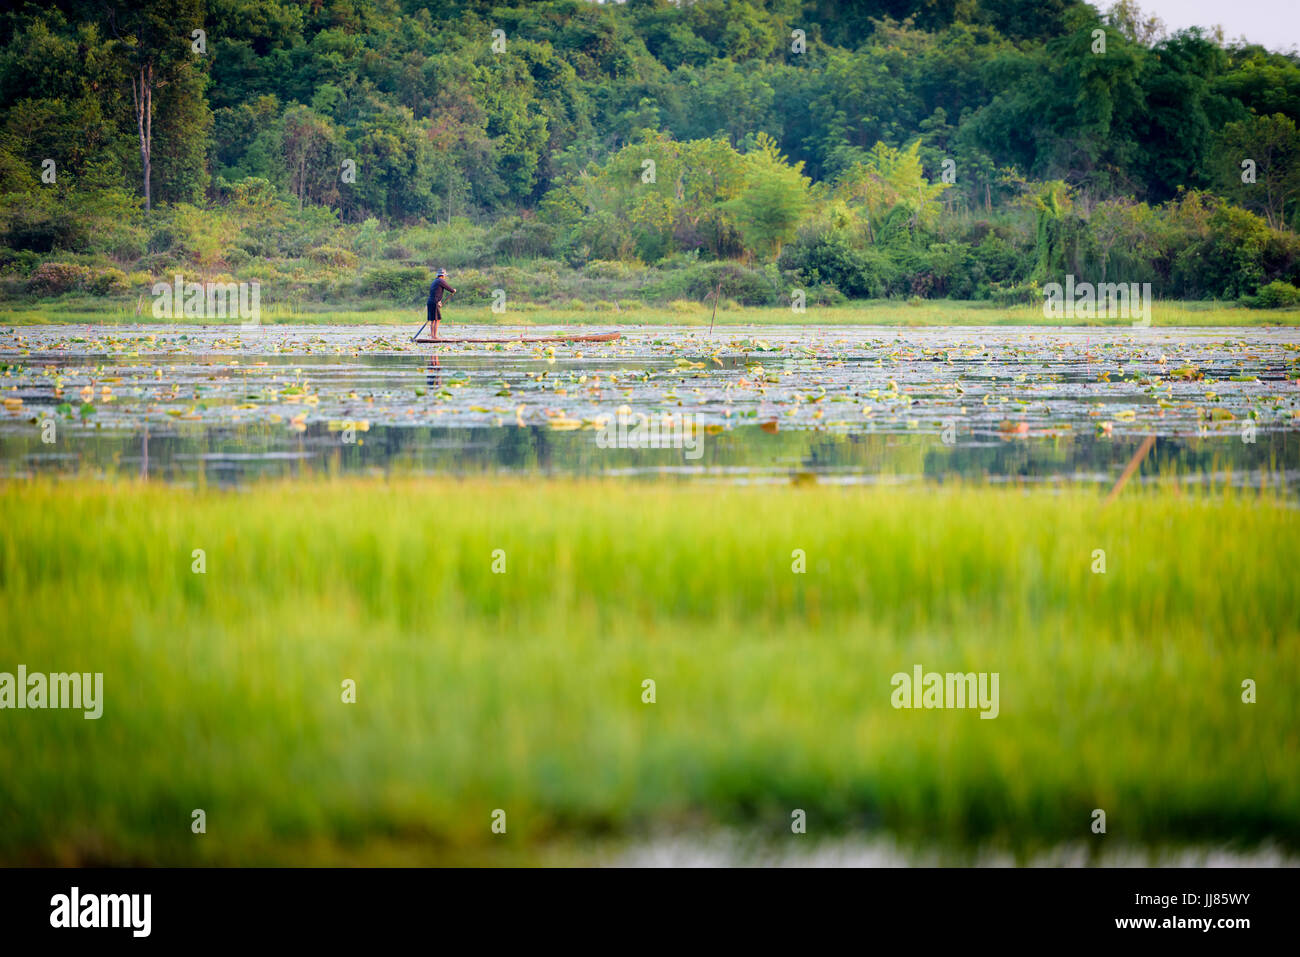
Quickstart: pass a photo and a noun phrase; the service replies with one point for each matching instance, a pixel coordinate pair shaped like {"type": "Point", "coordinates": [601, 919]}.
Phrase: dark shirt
{"type": "Point", "coordinates": [436, 288]}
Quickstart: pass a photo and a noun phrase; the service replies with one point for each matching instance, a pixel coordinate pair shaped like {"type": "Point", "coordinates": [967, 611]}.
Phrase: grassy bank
{"type": "Point", "coordinates": [932, 312]}
{"type": "Point", "coordinates": [523, 690]}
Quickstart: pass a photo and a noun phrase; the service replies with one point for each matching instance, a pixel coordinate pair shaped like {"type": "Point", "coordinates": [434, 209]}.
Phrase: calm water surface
{"type": "Point", "coordinates": [841, 404]}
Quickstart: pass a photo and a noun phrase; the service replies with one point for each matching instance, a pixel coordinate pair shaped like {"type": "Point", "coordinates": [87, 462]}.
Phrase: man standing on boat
{"type": "Point", "coordinates": [434, 305]}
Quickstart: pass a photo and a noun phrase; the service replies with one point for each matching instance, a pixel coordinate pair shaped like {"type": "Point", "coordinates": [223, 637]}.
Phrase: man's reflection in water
{"type": "Point", "coordinates": [433, 374]}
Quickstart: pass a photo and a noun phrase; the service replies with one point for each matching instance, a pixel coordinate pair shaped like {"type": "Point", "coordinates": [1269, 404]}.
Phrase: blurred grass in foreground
{"type": "Point", "coordinates": [522, 690]}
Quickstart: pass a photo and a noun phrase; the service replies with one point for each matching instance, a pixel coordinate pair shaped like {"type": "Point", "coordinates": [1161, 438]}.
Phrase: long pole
{"type": "Point", "coordinates": [426, 322]}
{"type": "Point", "coordinates": [1132, 467]}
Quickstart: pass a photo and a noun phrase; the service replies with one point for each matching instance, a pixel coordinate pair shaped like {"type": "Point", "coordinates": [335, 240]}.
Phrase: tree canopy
{"type": "Point", "coordinates": [877, 118]}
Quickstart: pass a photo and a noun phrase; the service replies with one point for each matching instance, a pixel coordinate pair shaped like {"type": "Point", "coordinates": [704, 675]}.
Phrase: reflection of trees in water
{"type": "Point", "coordinates": [460, 449]}
{"type": "Point", "coordinates": [1269, 450]}
{"type": "Point", "coordinates": [175, 453]}
{"type": "Point", "coordinates": [392, 444]}
{"type": "Point", "coordinates": [516, 448]}
{"type": "Point", "coordinates": [1067, 455]}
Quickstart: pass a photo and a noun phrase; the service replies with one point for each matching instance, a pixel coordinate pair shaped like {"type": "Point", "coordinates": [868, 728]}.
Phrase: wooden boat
{"type": "Point", "coordinates": [595, 337]}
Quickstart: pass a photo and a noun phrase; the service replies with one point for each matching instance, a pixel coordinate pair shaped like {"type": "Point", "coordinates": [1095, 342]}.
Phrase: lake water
{"type": "Point", "coordinates": [839, 404]}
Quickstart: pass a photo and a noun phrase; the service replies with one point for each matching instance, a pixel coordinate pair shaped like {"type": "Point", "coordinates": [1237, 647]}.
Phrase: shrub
{"type": "Point", "coordinates": [1015, 294]}
{"type": "Point", "coordinates": [405, 284]}
{"type": "Point", "coordinates": [56, 279]}
{"type": "Point", "coordinates": [333, 256]}
{"type": "Point", "coordinates": [608, 269]}
{"type": "Point", "coordinates": [453, 245]}
{"type": "Point", "coordinates": [685, 307]}
{"type": "Point", "coordinates": [12, 287]}
{"type": "Point", "coordinates": [21, 261]}
{"type": "Point", "coordinates": [253, 247]}
{"type": "Point", "coordinates": [951, 270]}
{"type": "Point", "coordinates": [1218, 251]}
{"type": "Point", "coordinates": [1234, 261]}
{"type": "Point", "coordinates": [41, 226]}
{"type": "Point", "coordinates": [601, 235]}
{"type": "Point", "coordinates": [751, 287]}
{"type": "Point", "coordinates": [858, 272]}
{"type": "Point", "coordinates": [162, 264]}
{"type": "Point", "coordinates": [1275, 295]}
{"type": "Point", "coordinates": [368, 238]}
{"type": "Point", "coordinates": [995, 260]}
{"type": "Point", "coordinates": [825, 295]}
{"type": "Point", "coordinates": [108, 282]}
{"type": "Point", "coordinates": [517, 238]}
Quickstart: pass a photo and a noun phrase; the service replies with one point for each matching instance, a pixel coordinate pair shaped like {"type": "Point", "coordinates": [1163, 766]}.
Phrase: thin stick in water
{"type": "Point", "coordinates": [1132, 467]}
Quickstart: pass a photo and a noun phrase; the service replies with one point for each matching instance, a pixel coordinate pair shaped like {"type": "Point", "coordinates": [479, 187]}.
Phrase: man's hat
{"type": "Point", "coordinates": [442, 272]}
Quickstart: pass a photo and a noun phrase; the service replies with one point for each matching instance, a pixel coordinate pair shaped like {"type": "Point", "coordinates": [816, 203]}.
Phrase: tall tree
{"type": "Point", "coordinates": [774, 199]}
{"type": "Point", "coordinates": [311, 154]}
{"type": "Point", "coordinates": [890, 182]}
{"type": "Point", "coordinates": [1258, 163]}
{"type": "Point", "coordinates": [158, 40]}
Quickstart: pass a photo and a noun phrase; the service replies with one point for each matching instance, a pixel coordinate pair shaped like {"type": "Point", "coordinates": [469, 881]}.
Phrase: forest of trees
{"type": "Point", "coordinates": [964, 148]}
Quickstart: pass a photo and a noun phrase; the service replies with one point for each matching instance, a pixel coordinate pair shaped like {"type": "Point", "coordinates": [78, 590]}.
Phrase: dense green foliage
{"type": "Point", "coordinates": [960, 148]}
